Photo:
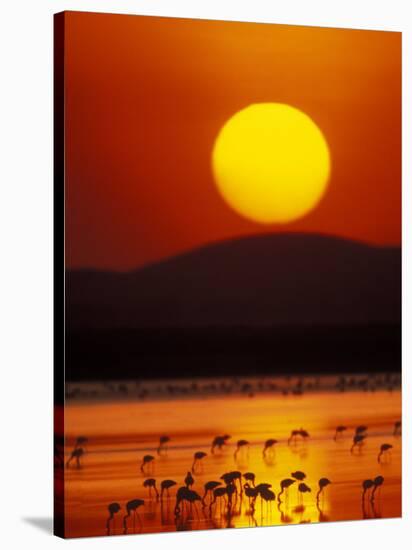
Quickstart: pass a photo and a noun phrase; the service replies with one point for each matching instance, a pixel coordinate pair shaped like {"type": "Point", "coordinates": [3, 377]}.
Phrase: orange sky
{"type": "Point", "coordinates": [146, 97]}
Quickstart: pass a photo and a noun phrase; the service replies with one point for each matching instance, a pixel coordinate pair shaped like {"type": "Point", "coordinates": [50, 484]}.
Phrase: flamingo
{"type": "Point", "coordinates": [81, 441]}
{"type": "Point", "coordinates": [218, 442]}
{"type": "Point", "coordinates": [189, 480]}
{"type": "Point", "coordinates": [210, 486]}
{"type": "Point", "coordinates": [284, 485]}
{"type": "Point", "coordinates": [231, 477]}
{"type": "Point", "coordinates": [241, 444]}
{"type": "Point", "coordinates": [358, 441]}
{"type": "Point", "coordinates": [113, 508]}
{"type": "Point", "coordinates": [269, 446]}
{"type": "Point", "coordinates": [361, 429]}
{"type": "Point", "coordinates": [251, 493]}
{"type": "Point", "coordinates": [163, 441]}
{"type": "Point", "coordinates": [150, 483]}
{"type": "Point", "coordinates": [366, 485]}
{"type": "Point", "coordinates": [323, 482]}
{"type": "Point", "coordinates": [384, 449]}
{"type": "Point", "coordinates": [303, 488]}
{"type": "Point", "coordinates": [132, 506]}
{"type": "Point", "coordinates": [147, 459]}
{"type": "Point", "coordinates": [267, 495]}
{"type": "Point", "coordinates": [76, 453]}
{"type": "Point", "coordinates": [293, 436]}
{"type": "Point", "coordinates": [250, 476]}
{"type": "Point", "coordinates": [199, 455]}
{"type": "Point", "coordinates": [377, 482]}
{"type": "Point", "coordinates": [165, 485]}
{"type": "Point", "coordinates": [185, 494]}
{"type": "Point", "coordinates": [298, 475]}
{"type": "Point", "coordinates": [339, 431]}
{"type": "Point", "coordinates": [397, 427]}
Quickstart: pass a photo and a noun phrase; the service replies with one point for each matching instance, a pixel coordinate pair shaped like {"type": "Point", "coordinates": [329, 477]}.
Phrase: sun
{"type": "Point", "coordinates": [271, 163]}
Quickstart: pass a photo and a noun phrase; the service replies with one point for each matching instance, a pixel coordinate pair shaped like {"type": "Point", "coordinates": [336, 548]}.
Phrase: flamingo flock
{"type": "Point", "coordinates": [235, 489]}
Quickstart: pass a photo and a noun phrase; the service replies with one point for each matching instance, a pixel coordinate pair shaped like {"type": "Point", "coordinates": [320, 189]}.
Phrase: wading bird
{"type": "Point", "coordinates": [358, 442]}
{"type": "Point", "coordinates": [250, 476]}
{"type": "Point", "coordinates": [300, 476]}
{"type": "Point", "coordinates": [384, 449]}
{"type": "Point", "coordinates": [150, 484]}
{"type": "Point", "coordinates": [131, 507]}
{"type": "Point", "coordinates": [210, 486]}
{"type": "Point", "coordinates": [269, 444]}
{"type": "Point", "coordinates": [163, 441]}
{"type": "Point", "coordinates": [284, 486]}
{"type": "Point", "coordinates": [377, 482]}
{"type": "Point", "coordinates": [113, 508]}
{"type": "Point", "coordinates": [267, 495]}
{"type": "Point", "coordinates": [189, 480]}
{"type": "Point", "coordinates": [241, 444]}
{"type": "Point", "coordinates": [323, 482]}
{"type": "Point", "coordinates": [76, 453]}
{"type": "Point", "coordinates": [361, 429]}
{"type": "Point", "coordinates": [147, 464]}
{"type": "Point", "coordinates": [165, 485]}
{"type": "Point", "coordinates": [303, 488]}
{"type": "Point", "coordinates": [186, 495]}
{"type": "Point", "coordinates": [397, 427]}
{"type": "Point", "coordinates": [197, 457]}
{"type": "Point", "coordinates": [339, 431]}
{"type": "Point", "coordinates": [218, 442]}
{"type": "Point", "coordinates": [251, 493]}
{"type": "Point", "coordinates": [366, 485]}
{"type": "Point", "coordinates": [81, 441]}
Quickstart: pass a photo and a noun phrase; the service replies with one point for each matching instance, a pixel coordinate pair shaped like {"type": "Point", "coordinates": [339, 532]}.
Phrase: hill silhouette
{"type": "Point", "coordinates": [237, 298]}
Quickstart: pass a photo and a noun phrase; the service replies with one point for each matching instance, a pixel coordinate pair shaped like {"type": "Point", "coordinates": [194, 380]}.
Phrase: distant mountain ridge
{"type": "Point", "coordinates": [276, 279]}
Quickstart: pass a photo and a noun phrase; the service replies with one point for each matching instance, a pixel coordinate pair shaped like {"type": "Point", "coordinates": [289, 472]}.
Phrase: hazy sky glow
{"type": "Point", "coordinates": [146, 97]}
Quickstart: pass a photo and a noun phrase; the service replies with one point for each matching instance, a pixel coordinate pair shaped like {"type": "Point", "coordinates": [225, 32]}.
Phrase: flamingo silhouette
{"type": "Point", "coordinates": [339, 431]}
{"type": "Point", "coordinates": [241, 444]}
{"type": "Point", "coordinates": [113, 508]}
{"type": "Point", "coordinates": [304, 434]}
{"type": "Point", "coordinates": [323, 482]}
{"type": "Point", "coordinates": [250, 476]}
{"type": "Point", "coordinates": [199, 455]}
{"type": "Point", "coordinates": [397, 427]}
{"type": "Point", "coordinates": [377, 482]}
{"type": "Point", "coordinates": [76, 453]}
{"type": "Point", "coordinates": [269, 443]}
{"type": "Point", "coordinates": [366, 485]}
{"type": "Point", "coordinates": [251, 493]}
{"type": "Point", "coordinates": [218, 442]}
{"type": "Point", "coordinates": [81, 441]}
{"type": "Point", "coordinates": [189, 480]}
{"type": "Point", "coordinates": [163, 441]}
{"type": "Point", "coordinates": [303, 488]}
{"type": "Point", "coordinates": [293, 436]}
{"type": "Point", "coordinates": [384, 449]}
{"type": "Point", "coordinates": [358, 441]}
{"type": "Point", "coordinates": [360, 429]}
{"type": "Point", "coordinates": [267, 495]}
{"type": "Point", "coordinates": [231, 477]}
{"type": "Point", "coordinates": [131, 507]}
{"type": "Point", "coordinates": [165, 485]}
{"type": "Point", "coordinates": [185, 494]}
{"type": "Point", "coordinates": [284, 486]}
{"type": "Point", "coordinates": [218, 493]}
{"type": "Point", "coordinates": [300, 476]}
{"type": "Point", "coordinates": [210, 486]}
{"type": "Point", "coordinates": [147, 460]}
{"type": "Point", "coordinates": [150, 483]}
